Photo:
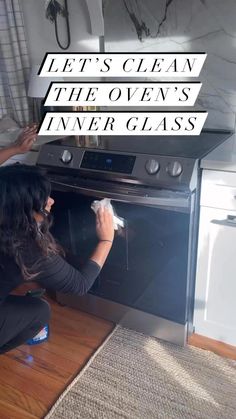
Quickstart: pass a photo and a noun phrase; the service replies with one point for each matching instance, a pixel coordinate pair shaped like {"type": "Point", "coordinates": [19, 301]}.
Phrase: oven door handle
{"type": "Point", "coordinates": [180, 202]}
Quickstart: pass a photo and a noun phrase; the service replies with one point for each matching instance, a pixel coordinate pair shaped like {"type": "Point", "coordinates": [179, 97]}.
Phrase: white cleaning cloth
{"type": "Point", "coordinates": [106, 203]}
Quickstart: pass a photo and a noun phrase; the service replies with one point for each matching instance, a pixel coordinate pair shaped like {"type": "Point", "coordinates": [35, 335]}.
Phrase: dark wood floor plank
{"type": "Point", "coordinates": [12, 396]}
{"type": "Point", "coordinates": [9, 411]}
{"type": "Point", "coordinates": [31, 360]}
{"type": "Point", "coordinates": [82, 323]}
{"type": "Point", "coordinates": [220, 348]}
{"type": "Point", "coordinates": [46, 356]}
{"type": "Point", "coordinates": [73, 350]}
{"type": "Point", "coordinates": [44, 379]}
{"type": "Point", "coordinates": [29, 386]}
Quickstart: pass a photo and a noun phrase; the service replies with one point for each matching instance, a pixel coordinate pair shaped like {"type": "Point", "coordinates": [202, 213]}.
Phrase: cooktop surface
{"type": "Point", "coordinates": [194, 147]}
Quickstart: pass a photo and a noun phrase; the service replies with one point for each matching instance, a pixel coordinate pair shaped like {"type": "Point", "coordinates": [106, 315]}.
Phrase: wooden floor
{"type": "Point", "coordinates": [33, 377]}
{"type": "Point", "coordinates": [219, 348]}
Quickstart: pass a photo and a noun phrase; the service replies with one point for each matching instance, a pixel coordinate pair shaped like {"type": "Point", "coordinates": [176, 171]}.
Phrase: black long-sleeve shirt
{"type": "Point", "coordinates": [54, 273]}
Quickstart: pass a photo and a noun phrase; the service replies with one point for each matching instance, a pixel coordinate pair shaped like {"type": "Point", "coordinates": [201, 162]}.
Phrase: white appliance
{"type": "Point", "coordinates": [215, 308]}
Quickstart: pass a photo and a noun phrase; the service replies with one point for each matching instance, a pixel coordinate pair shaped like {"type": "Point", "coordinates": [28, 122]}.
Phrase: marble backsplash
{"type": "Point", "coordinates": [184, 26]}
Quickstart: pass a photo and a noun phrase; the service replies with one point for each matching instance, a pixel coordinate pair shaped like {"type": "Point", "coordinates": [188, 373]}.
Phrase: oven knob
{"type": "Point", "coordinates": [174, 168]}
{"type": "Point", "coordinates": [66, 156]}
{"type": "Point", "coordinates": [152, 166]}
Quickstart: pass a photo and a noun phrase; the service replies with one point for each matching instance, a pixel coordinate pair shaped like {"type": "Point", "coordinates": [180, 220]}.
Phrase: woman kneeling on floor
{"type": "Point", "coordinates": [29, 252]}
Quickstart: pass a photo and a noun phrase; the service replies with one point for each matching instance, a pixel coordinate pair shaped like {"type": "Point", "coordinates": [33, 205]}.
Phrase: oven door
{"type": "Point", "coordinates": [148, 266]}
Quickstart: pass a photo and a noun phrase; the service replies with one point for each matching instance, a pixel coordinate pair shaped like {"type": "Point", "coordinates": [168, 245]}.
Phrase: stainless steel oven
{"type": "Point", "coordinates": [147, 282]}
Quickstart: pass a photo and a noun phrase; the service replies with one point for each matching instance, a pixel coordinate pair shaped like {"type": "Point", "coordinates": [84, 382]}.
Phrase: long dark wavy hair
{"type": "Point", "coordinates": [24, 191]}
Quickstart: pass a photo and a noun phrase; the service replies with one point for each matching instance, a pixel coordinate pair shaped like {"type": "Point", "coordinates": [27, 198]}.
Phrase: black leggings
{"type": "Point", "coordinates": [21, 318]}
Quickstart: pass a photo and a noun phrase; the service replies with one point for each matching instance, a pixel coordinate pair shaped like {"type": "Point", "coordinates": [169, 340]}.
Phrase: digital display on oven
{"type": "Point", "coordinates": [108, 162]}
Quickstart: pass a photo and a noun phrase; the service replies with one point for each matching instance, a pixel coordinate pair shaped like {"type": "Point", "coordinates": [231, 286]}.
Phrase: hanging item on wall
{"type": "Point", "coordinates": [53, 9]}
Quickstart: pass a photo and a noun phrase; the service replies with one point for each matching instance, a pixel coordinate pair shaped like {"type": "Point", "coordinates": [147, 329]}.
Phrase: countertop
{"type": "Point", "coordinates": [223, 157]}
{"type": "Point", "coordinates": [7, 138]}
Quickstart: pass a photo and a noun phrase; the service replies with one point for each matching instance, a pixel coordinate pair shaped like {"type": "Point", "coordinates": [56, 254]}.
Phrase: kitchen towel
{"type": "Point", "coordinates": [106, 203]}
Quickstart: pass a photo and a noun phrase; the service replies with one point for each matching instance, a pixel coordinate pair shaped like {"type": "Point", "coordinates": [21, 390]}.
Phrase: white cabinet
{"type": "Point", "coordinates": [215, 296]}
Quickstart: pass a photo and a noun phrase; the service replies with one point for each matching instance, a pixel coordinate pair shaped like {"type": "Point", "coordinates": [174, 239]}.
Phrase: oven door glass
{"type": "Point", "coordinates": [147, 266]}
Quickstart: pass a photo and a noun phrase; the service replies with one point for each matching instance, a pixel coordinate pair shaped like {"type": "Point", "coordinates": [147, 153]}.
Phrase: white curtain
{"type": "Point", "coordinates": [14, 63]}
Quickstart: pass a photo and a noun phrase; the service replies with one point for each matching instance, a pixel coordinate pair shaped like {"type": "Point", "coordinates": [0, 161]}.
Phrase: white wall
{"type": "Point", "coordinates": [40, 31]}
{"type": "Point", "coordinates": [190, 26]}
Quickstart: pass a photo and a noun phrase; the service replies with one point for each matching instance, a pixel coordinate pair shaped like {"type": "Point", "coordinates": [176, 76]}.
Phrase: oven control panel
{"type": "Point", "coordinates": [108, 162]}
{"type": "Point", "coordinates": [160, 171]}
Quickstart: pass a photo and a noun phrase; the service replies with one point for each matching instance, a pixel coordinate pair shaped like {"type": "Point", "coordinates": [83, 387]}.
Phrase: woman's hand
{"type": "Point", "coordinates": [25, 140]}
{"type": "Point", "coordinates": [105, 233]}
{"type": "Point", "coordinates": [21, 145]}
{"type": "Point", "coordinates": [104, 224]}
